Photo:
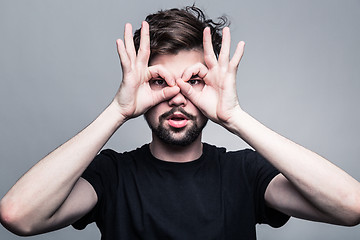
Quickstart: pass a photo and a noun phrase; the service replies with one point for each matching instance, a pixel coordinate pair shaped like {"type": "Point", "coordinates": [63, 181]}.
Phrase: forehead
{"type": "Point", "coordinates": [177, 63]}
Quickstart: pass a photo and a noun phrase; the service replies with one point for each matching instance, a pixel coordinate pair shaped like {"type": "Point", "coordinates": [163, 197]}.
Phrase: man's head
{"type": "Point", "coordinates": [175, 29]}
{"type": "Point", "coordinates": [177, 121]}
{"type": "Point", "coordinates": [176, 42]}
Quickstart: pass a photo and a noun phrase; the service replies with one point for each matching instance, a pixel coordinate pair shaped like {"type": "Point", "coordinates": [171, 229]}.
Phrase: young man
{"type": "Point", "coordinates": [179, 74]}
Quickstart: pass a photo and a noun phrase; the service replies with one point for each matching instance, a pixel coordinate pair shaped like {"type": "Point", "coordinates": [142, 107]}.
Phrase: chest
{"type": "Point", "coordinates": [180, 204]}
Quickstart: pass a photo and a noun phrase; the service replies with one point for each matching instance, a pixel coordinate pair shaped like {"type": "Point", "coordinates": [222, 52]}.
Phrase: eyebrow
{"type": "Point", "coordinates": [195, 76]}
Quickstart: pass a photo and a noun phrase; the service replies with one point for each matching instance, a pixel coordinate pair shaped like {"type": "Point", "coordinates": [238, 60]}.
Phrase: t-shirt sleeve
{"type": "Point", "coordinates": [264, 173]}
{"type": "Point", "coordinates": [100, 174]}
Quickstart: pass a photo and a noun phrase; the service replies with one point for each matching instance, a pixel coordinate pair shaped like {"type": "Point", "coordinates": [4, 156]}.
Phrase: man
{"type": "Point", "coordinates": [179, 75]}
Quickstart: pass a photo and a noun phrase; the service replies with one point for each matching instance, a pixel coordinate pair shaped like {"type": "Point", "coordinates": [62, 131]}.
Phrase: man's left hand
{"type": "Point", "coordinates": [218, 98]}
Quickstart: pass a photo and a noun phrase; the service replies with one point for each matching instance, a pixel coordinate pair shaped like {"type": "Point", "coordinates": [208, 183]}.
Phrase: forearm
{"type": "Point", "coordinates": [41, 191]}
{"type": "Point", "coordinates": [326, 186]}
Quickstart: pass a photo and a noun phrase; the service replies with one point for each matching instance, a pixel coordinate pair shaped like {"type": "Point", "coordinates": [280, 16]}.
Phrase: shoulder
{"type": "Point", "coordinates": [242, 154]}
{"type": "Point", "coordinates": [247, 160]}
{"type": "Point", "coordinates": [109, 158]}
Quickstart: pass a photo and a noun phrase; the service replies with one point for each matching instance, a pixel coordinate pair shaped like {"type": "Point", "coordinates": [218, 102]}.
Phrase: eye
{"type": "Point", "coordinates": [158, 83]}
{"type": "Point", "coordinates": [196, 82]}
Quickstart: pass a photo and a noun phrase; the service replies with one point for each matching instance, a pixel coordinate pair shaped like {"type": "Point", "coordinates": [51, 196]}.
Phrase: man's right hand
{"type": "Point", "coordinates": [135, 96]}
{"type": "Point", "coordinates": [52, 194]}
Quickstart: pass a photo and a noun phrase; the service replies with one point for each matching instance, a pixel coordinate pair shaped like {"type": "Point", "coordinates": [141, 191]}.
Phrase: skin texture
{"type": "Point", "coordinates": [52, 194]}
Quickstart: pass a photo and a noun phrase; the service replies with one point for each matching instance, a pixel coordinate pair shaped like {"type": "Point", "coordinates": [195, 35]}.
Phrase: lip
{"type": "Point", "coordinates": [177, 116]}
{"type": "Point", "coordinates": [177, 120]}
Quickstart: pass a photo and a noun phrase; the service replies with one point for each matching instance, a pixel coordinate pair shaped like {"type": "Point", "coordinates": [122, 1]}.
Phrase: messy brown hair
{"type": "Point", "coordinates": [176, 29]}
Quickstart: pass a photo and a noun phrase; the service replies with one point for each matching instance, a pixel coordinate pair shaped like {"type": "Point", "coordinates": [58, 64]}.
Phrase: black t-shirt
{"type": "Point", "coordinates": [218, 196]}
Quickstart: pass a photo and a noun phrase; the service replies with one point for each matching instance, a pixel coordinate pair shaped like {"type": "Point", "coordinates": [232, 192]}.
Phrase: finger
{"type": "Point", "coordinates": [144, 48]}
{"type": "Point", "coordinates": [224, 55]}
{"type": "Point", "coordinates": [187, 90]}
{"type": "Point", "coordinates": [165, 94]}
{"type": "Point", "coordinates": [129, 42]}
{"type": "Point", "coordinates": [170, 92]}
{"type": "Point", "coordinates": [209, 55]}
{"type": "Point", "coordinates": [160, 71]}
{"type": "Point", "coordinates": [124, 59]}
{"type": "Point", "coordinates": [197, 69]}
{"type": "Point", "coordinates": [239, 52]}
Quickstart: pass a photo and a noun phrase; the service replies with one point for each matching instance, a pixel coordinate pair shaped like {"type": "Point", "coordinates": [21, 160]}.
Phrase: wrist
{"type": "Point", "coordinates": [113, 111]}
{"type": "Point", "coordinates": [234, 123]}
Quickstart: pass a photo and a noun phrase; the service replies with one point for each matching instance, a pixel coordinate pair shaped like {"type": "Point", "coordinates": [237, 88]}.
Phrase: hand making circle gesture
{"type": "Point", "coordinates": [135, 95]}
{"type": "Point", "coordinates": [218, 98]}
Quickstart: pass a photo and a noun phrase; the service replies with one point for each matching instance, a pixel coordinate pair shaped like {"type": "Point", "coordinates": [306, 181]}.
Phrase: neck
{"type": "Point", "coordinates": [175, 153]}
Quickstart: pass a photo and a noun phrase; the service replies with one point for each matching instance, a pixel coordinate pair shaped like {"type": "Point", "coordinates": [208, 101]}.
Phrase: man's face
{"type": "Point", "coordinates": [176, 121]}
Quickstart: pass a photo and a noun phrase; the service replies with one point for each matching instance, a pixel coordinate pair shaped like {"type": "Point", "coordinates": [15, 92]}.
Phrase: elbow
{"type": "Point", "coordinates": [352, 218]}
{"type": "Point", "coordinates": [13, 221]}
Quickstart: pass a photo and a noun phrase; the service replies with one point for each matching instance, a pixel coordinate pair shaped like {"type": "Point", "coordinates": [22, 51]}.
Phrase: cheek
{"type": "Point", "coordinates": [200, 116]}
{"type": "Point", "coordinates": [202, 119]}
{"type": "Point", "coordinates": [194, 110]}
{"type": "Point", "coordinates": [149, 116]}
{"type": "Point", "coordinates": [152, 115]}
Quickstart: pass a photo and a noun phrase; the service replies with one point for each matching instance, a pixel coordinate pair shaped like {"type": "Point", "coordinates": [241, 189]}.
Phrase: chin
{"type": "Point", "coordinates": [171, 137]}
{"type": "Point", "coordinates": [176, 136]}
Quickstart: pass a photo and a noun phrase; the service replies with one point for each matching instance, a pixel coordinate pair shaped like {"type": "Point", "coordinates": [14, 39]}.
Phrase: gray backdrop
{"type": "Point", "coordinates": [299, 76]}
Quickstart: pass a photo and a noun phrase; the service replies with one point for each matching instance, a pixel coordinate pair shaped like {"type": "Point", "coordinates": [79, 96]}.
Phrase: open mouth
{"type": "Point", "coordinates": [177, 120]}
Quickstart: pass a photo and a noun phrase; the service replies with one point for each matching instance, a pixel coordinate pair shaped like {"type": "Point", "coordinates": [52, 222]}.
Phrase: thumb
{"type": "Point", "coordinates": [187, 90]}
{"type": "Point", "coordinates": [165, 94]}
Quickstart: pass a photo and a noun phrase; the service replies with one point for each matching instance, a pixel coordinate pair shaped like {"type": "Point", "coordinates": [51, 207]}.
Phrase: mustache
{"type": "Point", "coordinates": [174, 110]}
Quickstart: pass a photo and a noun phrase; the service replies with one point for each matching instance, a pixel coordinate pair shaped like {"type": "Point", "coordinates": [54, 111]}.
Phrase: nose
{"type": "Point", "coordinates": [178, 100]}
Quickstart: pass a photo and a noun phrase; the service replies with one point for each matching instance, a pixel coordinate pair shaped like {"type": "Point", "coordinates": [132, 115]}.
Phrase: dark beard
{"type": "Point", "coordinates": [166, 135]}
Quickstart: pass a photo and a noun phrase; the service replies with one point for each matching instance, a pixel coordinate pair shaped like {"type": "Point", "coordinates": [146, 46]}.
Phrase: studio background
{"type": "Point", "coordinates": [299, 76]}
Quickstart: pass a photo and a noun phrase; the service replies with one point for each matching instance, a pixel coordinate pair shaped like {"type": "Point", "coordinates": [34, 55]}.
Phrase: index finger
{"type": "Point", "coordinates": [160, 71]}
{"type": "Point", "coordinates": [197, 69]}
